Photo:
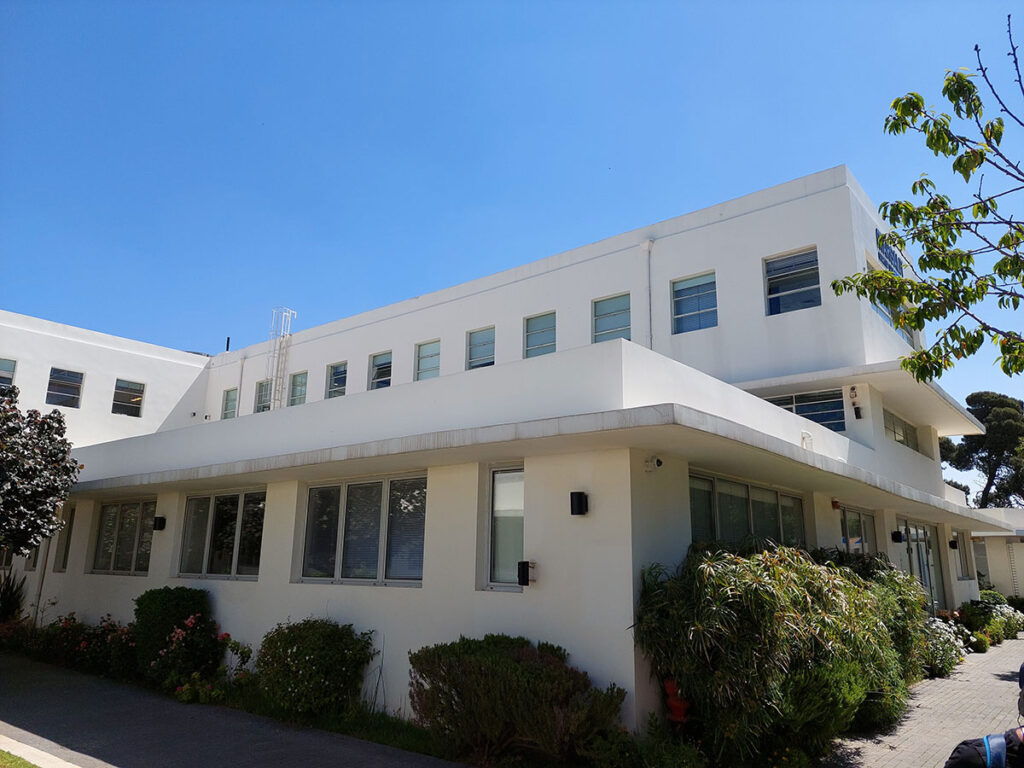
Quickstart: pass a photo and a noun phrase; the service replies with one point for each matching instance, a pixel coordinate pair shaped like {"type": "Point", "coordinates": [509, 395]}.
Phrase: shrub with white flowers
{"type": "Point", "coordinates": [944, 648]}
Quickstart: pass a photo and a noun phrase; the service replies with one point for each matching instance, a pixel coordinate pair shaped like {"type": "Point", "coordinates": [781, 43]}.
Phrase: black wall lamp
{"type": "Point", "coordinates": [578, 503]}
{"type": "Point", "coordinates": [523, 567]}
{"type": "Point", "coordinates": [898, 537]}
{"type": "Point", "coordinates": [954, 544]}
{"type": "Point", "coordinates": [159, 523]}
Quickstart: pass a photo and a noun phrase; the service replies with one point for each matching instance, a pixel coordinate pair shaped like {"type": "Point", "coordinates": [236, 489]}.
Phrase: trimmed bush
{"type": "Point", "coordinates": [12, 596]}
{"type": "Point", "coordinates": [774, 650]}
{"type": "Point", "coordinates": [158, 612]}
{"type": "Point", "coordinates": [992, 597]}
{"type": "Point", "coordinates": [488, 697]}
{"type": "Point", "coordinates": [659, 748]}
{"type": "Point", "coordinates": [314, 666]}
{"type": "Point", "coordinates": [979, 642]}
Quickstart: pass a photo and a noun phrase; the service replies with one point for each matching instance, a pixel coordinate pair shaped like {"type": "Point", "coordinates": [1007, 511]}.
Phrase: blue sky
{"type": "Point", "coordinates": [170, 171]}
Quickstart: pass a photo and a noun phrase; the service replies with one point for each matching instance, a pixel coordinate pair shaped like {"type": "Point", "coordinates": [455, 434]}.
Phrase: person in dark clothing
{"type": "Point", "coordinates": [972, 753]}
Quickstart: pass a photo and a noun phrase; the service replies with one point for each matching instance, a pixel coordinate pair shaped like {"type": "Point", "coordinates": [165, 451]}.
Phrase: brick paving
{"type": "Point", "coordinates": [978, 699]}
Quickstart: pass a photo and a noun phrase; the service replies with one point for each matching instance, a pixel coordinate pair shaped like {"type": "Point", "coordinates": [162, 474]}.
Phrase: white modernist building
{"type": "Point", "coordinates": [586, 414]}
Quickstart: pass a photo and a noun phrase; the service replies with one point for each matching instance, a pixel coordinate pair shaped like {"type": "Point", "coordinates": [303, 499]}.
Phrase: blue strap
{"type": "Point", "coordinates": [995, 751]}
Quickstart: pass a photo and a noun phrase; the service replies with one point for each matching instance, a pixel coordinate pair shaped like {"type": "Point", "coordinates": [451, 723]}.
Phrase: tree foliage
{"type": "Point", "coordinates": [996, 454]}
{"type": "Point", "coordinates": [36, 474]}
{"type": "Point", "coordinates": [971, 250]}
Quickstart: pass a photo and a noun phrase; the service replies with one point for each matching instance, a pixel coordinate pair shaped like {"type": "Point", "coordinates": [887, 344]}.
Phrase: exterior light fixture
{"type": "Point", "coordinates": [954, 544]}
{"type": "Point", "coordinates": [578, 503]}
{"type": "Point", "coordinates": [523, 568]}
{"type": "Point", "coordinates": [159, 523]}
{"type": "Point", "coordinates": [898, 537]}
{"type": "Point", "coordinates": [836, 505]}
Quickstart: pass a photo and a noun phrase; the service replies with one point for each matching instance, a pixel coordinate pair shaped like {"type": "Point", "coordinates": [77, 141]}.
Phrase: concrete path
{"type": "Point", "coordinates": [978, 699]}
{"type": "Point", "coordinates": [90, 722]}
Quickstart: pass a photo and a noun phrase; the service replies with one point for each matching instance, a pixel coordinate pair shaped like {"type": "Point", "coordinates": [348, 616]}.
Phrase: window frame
{"type": "Point", "coordinates": [6, 559]}
{"type": "Point", "coordinates": [484, 361]}
{"type": "Point", "coordinates": [768, 279]}
{"type": "Point", "coordinates": [50, 393]}
{"type": "Point", "coordinates": [4, 374]}
{"type": "Point", "coordinates": [779, 491]}
{"type": "Point", "coordinates": [907, 427]}
{"type": "Point", "coordinates": [373, 382]}
{"type": "Point", "coordinates": [539, 350]}
{"type": "Point", "coordinates": [124, 390]}
{"type": "Point", "coordinates": [32, 559]}
{"type": "Point", "coordinates": [224, 404]}
{"type": "Point", "coordinates": [489, 582]}
{"type": "Point", "coordinates": [844, 528]}
{"type": "Point", "coordinates": [611, 333]}
{"type": "Point", "coordinates": [380, 580]}
{"type": "Point", "coordinates": [841, 398]}
{"type": "Point", "coordinates": [212, 496]}
{"type": "Point", "coordinates": [433, 372]}
{"type": "Point", "coordinates": [60, 558]}
{"type": "Point", "coordinates": [121, 503]}
{"type": "Point", "coordinates": [330, 390]}
{"type": "Point", "coordinates": [294, 399]}
{"type": "Point", "coordinates": [964, 550]}
{"type": "Point", "coordinates": [259, 405]}
{"type": "Point", "coordinates": [699, 312]}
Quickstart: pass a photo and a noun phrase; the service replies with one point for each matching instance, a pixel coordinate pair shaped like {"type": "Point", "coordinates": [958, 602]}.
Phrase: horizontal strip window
{"type": "Point", "coordinates": [358, 531]}
{"type": "Point", "coordinates": [428, 360]}
{"type": "Point", "coordinates": [825, 407]}
{"type": "Point", "coordinates": [888, 315]}
{"type": "Point", "coordinates": [337, 378]}
{"type": "Point", "coordinates": [264, 390]}
{"type": "Point", "coordinates": [480, 348]}
{"type": "Point", "coordinates": [611, 318]}
{"type": "Point", "coordinates": [297, 388]}
{"type": "Point", "coordinates": [694, 304]}
{"type": "Point", "coordinates": [128, 398]}
{"type": "Point", "coordinates": [64, 388]}
{"type": "Point", "coordinates": [380, 371]}
{"type": "Point", "coordinates": [223, 534]}
{"type": "Point", "coordinates": [728, 511]}
{"type": "Point", "coordinates": [125, 538]}
{"type": "Point", "coordinates": [60, 560]}
{"type": "Point", "coordinates": [539, 335]}
{"type": "Point", "coordinates": [899, 430]}
{"type": "Point", "coordinates": [6, 372]}
{"type": "Point", "coordinates": [858, 531]}
{"type": "Point", "coordinates": [229, 404]}
{"type": "Point", "coordinates": [792, 283]}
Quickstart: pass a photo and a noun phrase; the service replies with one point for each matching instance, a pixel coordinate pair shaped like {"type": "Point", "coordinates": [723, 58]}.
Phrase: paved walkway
{"type": "Point", "coordinates": [978, 699]}
{"type": "Point", "coordinates": [90, 722]}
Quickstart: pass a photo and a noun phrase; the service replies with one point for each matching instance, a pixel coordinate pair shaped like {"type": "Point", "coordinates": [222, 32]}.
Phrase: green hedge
{"type": "Point", "coordinates": [175, 636]}
{"type": "Point", "coordinates": [774, 650]}
{"type": "Point", "coordinates": [489, 697]}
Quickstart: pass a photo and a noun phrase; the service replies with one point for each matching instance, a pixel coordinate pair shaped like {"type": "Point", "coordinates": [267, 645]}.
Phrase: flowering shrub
{"type": "Point", "coordinates": [996, 621]}
{"type": "Point", "coordinates": [943, 648]}
{"type": "Point", "coordinates": [979, 642]}
{"type": "Point", "coordinates": [195, 647]}
{"type": "Point", "coordinates": [157, 613]}
{"type": "Point", "coordinates": [313, 666]}
{"type": "Point", "coordinates": [104, 649]}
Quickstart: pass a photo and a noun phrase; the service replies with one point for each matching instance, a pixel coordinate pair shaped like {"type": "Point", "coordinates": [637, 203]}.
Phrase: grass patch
{"type": "Point", "coordinates": [7, 760]}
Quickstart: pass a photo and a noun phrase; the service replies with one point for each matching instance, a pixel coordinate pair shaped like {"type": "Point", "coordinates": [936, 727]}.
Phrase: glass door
{"type": "Point", "coordinates": [923, 559]}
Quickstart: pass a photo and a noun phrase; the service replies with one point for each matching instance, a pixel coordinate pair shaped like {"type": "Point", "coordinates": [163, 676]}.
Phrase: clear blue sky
{"type": "Point", "coordinates": [170, 171]}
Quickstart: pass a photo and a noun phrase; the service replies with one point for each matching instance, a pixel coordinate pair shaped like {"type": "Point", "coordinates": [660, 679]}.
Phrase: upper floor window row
{"type": "Point", "coordinates": [694, 303]}
{"type": "Point", "coordinates": [899, 430]}
{"type": "Point", "coordinates": [6, 373]}
{"type": "Point", "coordinates": [64, 389]}
{"type": "Point", "coordinates": [791, 282]}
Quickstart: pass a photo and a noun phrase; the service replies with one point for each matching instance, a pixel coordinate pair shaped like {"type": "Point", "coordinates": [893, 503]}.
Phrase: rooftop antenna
{"type": "Point", "coordinates": [277, 360]}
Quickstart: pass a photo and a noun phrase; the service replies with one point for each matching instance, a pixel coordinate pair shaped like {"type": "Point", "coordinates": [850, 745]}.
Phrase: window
{"type": "Point", "coordinates": [297, 389]}
{"type": "Point", "coordinates": [360, 530]}
{"type": "Point", "coordinates": [900, 431]}
{"type": "Point", "coordinates": [611, 318]}
{"type": "Point", "coordinates": [380, 371]}
{"type": "Point", "coordinates": [694, 304]}
{"type": "Point", "coordinates": [792, 282]}
{"type": "Point", "coordinates": [507, 504]}
{"type": "Point", "coordinates": [6, 373]}
{"type": "Point", "coordinates": [428, 360]}
{"type": "Point", "coordinates": [337, 376]}
{"type": "Point", "coordinates": [264, 390]}
{"type": "Point", "coordinates": [825, 408]}
{"type": "Point", "coordinates": [60, 560]}
{"type": "Point", "coordinates": [980, 563]}
{"type": "Point", "coordinates": [480, 348]}
{"type": "Point", "coordinates": [890, 318]}
{"type": "Point", "coordinates": [64, 388]}
{"type": "Point", "coordinates": [858, 531]}
{"type": "Point", "coordinates": [32, 558]}
{"type": "Point", "coordinates": [729, 511]}
{"type": "Point", "coordinates": [6, 559]}
{"type": "Point", "coordinates": [229, 404]}
{"type": "Point", "coordinates": [127, 398]}
{"type": "Point", "coordinates": [125, 537]}
{"type": "Point", "coordinates": [223, 535]}
{"type": "Point", "coordinates": [539, 335]}
{"type": "Point", "coordinates": [963, 568]}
